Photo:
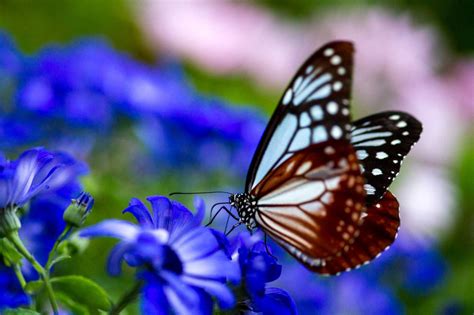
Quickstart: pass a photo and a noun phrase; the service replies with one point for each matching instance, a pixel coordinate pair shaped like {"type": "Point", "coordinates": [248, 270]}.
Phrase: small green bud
{"type": "Point", "coordinates": [74, 245]}
{"type": "Point", "coordinates": [78, 210]}
{"type": "Point", "coordinates": [9, 221]}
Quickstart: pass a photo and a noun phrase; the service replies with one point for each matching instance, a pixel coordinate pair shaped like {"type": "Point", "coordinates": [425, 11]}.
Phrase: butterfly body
{"type": "Point", "coordinates": [246, 206]}
{"type": "Point", "coordinates": [318, 182]}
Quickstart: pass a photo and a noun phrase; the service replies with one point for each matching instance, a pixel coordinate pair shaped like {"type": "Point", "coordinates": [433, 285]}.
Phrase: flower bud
{"type": "Point", "coordinates": [9, 221]}
{"type": "Point", "coordinates": [78, 210]}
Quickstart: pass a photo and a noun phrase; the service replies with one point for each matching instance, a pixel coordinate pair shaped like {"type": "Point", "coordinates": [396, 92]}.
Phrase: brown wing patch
{"type": "Point", "coordinates": [312, 203]}
{"type": "Point", "coordinates": [378, 230]}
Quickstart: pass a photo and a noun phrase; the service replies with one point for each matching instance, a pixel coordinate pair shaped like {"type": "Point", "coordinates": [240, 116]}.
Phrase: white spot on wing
{"type": "Point", "coordinates": [332, 107]}
{"type": "Point", "coordinates": [376, 171]}
{"type": "Point", "coordinates": [394, 117]}
{"type": "Point", "coordinates": [317, 112]}
{"type": "Point", "coordinates": [328, 52]}
{"type": "Point", "coordinates": [396, 141]}
{"type": "Point", "coordinates": [287, 97]}
{"type": "Point", "coordinates": [336, 132]}
{"type": "Point", "coordinates": [401, 124]}
{"type": "Point", "coordinates": [319, 134]}
{"type": "Point", "coordinates": [335, 60]}
{"type": "Point", "coordinates": [337, 86]}
{"type": "Point", "coordinates": [381, 155]}
{"type": "Point", "coordinates": [369, 189]}
{"type": "Point", "coordinates": [361, 154]}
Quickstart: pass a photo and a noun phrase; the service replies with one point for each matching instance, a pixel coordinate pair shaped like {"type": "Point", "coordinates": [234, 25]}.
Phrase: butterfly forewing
{"type": "Point", "coordinates": [381, 142]}
{"type": "Point", "coordinates": [312, 203]}
{"type": "Point", "coordinates": [313, 109]}
{"type": "Point", "coordinates": [378, 229]}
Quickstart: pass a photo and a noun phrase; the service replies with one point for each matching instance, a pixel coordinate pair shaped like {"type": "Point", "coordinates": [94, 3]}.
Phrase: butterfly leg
{"type": "Point", "coordinates": [268, 249]}
{"type": "Point", "coordinates": [215, 205]}
{"type": "Point", "coordinates": [233, 228]}
{"type": "Point", "coordinates": [218, 211]}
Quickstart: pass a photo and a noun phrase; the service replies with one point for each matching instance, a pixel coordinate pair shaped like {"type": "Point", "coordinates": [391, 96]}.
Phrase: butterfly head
{"type": "Point", "coordinates": [246, 206]}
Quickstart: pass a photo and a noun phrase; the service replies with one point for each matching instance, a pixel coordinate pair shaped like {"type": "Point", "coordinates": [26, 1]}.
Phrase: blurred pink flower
{"type": "Point", "coordinates": [426, 200]}
{"type": "Point", "coordinates": [224, 37]}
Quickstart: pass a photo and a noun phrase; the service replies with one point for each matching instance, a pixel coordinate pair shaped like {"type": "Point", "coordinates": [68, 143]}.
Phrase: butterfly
{"type": "Point", "coordinates": [318, 181]}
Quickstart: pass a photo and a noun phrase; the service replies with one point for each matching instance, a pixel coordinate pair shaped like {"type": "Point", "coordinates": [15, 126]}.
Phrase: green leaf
{"type": "Point", "coordinates": [20, 311]}
{"type": "Point", "coordinates": [82, 290]}
{"type": "Point", "coordinates": [72, 305]}
{"type": "Point", "coordinates": [33, 287]}
{"type": "Point", "coordinates": [10, 255]}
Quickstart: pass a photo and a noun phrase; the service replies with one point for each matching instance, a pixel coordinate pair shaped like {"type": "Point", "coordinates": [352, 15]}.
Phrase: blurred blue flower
{"type": "Point", "coordinates": [259, 267]}
{"type": "Point", "coordinates": [42, 222]}
{"type": "Point", "coordinates": [34, 171]}
{"type": "Point", "coordinates": [11, 295]}
{"type": "Point", "coordinates": [181, 262]}
{"type": "Point", "coordinates": [206, 125]}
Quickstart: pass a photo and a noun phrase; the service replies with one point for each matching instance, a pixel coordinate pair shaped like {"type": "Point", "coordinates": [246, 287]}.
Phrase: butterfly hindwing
{"type": "Point", "coordinates": [313, 109]}
{"type": "Point", "coordinates": [377, 231]}
{"type": "Point", "coordinates": [312, 203]}
{"type": "Point", "coordinates": [381, 142]}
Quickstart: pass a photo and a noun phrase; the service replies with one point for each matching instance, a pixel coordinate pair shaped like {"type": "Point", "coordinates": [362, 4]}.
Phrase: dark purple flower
{"type": "Point", "coordinates": [180, 261]}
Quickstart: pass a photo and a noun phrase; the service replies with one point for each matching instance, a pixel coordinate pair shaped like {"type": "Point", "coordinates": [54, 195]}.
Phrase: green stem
{"type": "Point", "coordinates": [126, 299]}
{"type": "Point", "coordinates": [52, 253]}
{"type": "Point", "coordinates": [19, 275]}
{"type": "Point", "coordinates": [14, 238]}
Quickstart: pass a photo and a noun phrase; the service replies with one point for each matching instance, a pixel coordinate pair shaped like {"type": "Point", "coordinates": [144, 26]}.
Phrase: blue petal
{"type": "Point", "coordinates": [183, 298]}
{"type": "Point", "coordinates": [161, 208]}
{"type": "Point", "coordinates": [217, 266]}
{"type": "Point", "coordinates": [223, 294]}
{"type": "Point", "coordinates": [28, 166]}
{"type": "Point", "coordinates": [195, 244]}
{"type": "Point", "coordinates": [111, 228]}
{"type": "Point", "coordinates": [276, 301]}
{"type": "Point", "coordinates": [154, 301]}
{"type": "Point", "coordinates": [200, 210]}
{"type": "Point", "coordinates": [140, 212]}
{"type": "Point", "coordinates": [114, 262]}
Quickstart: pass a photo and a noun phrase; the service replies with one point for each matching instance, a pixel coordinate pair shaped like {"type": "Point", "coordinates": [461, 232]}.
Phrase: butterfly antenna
{"type": "Point", "coordinates": [200, 192]}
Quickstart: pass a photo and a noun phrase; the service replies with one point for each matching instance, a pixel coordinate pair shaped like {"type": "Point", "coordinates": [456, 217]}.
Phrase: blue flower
{"type": "Point", "coordinates": [43, 222]}
{"type": "Point", "coordinates": [259, 267]}
{"type": "Point", "coordinates": [34, 171]}
{"type": "Point", "coordinates": [181, 262]}
{"type": "Point", "coordinates": [12, 294]}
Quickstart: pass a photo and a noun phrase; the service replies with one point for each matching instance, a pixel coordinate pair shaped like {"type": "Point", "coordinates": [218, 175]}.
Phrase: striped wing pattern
{"type": "Point", "coordinates": [312, 203]}
{"type": "Point", "coordinates": [381, 142]}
